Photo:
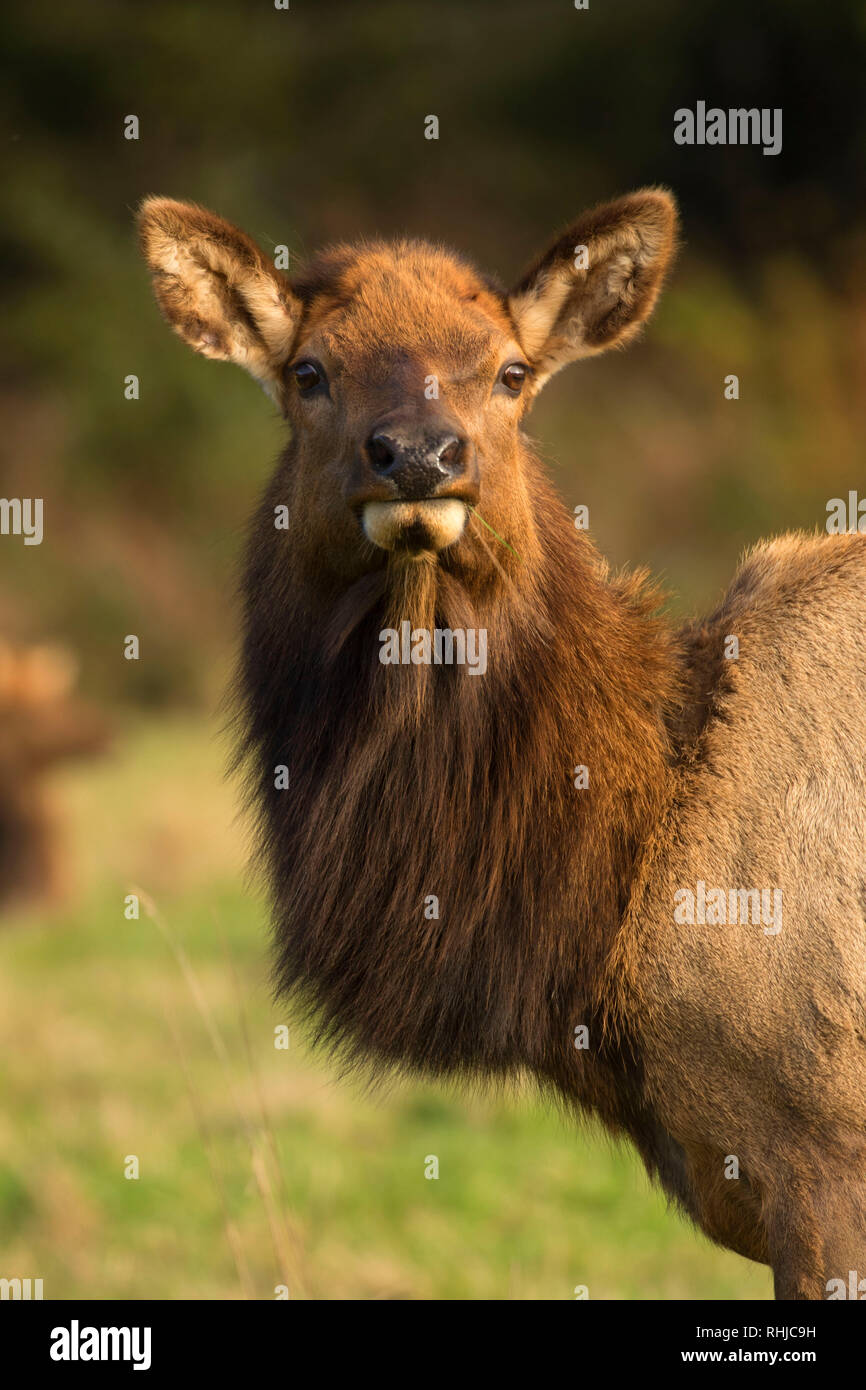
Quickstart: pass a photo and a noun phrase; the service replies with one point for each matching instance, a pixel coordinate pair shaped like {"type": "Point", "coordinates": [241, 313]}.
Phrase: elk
{"type": "Point", "coordinates": [448, 898]}
{"type": "Point", "coordinates": [42, 723]}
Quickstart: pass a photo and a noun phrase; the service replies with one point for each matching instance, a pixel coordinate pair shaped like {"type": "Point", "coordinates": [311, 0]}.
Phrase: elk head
{"type": "Point", "coordinates": [405, 375]}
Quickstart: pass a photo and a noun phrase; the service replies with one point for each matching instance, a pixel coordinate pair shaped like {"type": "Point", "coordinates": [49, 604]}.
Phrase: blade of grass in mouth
{"type": "Point", "coordinates": [475, 512]}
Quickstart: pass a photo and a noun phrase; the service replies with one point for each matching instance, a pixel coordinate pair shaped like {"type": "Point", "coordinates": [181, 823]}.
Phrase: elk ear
{"type": "Point", "coordinates": [217, 290]}
{"type": "Point", "coordinates": [598, 282]}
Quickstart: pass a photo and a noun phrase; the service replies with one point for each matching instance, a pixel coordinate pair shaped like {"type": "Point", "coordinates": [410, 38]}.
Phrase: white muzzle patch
{"type": "Point", "coordinates": [442, 518]}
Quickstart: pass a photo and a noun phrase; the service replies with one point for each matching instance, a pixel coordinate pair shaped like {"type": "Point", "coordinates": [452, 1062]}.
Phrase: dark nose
{"type": "Point", "coordinates": [417, 465]}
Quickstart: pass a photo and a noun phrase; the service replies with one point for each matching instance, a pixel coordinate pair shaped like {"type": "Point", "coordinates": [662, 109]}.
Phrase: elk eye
{"type": "Point", "coordinates": [513, 376]}
{"type": "Point", "coordinates": [307, 376]}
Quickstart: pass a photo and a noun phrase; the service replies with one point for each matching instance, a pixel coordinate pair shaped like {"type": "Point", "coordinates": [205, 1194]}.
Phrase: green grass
{"type": "Point", "coordinates": [106, 1053]}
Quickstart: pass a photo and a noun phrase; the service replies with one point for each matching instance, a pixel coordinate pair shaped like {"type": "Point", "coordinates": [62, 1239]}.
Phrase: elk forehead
{"type": "Point", "coordinates": [379, 311]}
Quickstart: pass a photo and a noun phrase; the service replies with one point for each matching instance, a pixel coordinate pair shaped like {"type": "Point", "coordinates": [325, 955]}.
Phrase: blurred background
{"type": "Point", "coordinates": [154, 1036]}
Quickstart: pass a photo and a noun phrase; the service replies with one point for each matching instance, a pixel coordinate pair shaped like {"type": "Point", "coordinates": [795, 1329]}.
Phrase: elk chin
{"type": "Point", "coordinates": [417, 527]}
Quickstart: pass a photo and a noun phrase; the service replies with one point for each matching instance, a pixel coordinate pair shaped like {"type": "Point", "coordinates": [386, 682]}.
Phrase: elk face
{"type": "Point", "coordinates": [404, 373]}
{"type": "Point", "coordinates": [406, 382]}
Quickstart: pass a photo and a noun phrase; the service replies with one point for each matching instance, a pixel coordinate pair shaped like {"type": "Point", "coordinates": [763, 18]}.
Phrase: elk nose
{"type": "Point", "coordinates": [417, 466]}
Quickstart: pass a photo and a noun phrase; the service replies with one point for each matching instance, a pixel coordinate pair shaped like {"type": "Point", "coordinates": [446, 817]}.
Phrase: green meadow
{"type": "Point", "coordinates": [259, 1167]}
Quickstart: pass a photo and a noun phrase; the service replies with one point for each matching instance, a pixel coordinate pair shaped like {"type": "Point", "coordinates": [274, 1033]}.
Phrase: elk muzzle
{"type": "Point", "coordinates": [419, 481]}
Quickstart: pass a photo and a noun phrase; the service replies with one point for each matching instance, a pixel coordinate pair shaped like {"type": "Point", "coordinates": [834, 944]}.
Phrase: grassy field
{"type": "Point", "coordinates": [259, 1167]}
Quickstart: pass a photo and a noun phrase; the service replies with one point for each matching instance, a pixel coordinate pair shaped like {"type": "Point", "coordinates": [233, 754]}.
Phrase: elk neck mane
{"type": "Point", "coordinates": [409, 784]}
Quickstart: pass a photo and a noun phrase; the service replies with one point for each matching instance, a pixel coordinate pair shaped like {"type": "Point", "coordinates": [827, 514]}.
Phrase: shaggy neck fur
{"type": "Point", "coordinates": [409, 782]}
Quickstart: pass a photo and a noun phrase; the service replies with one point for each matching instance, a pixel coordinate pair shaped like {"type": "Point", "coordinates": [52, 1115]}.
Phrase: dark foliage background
{"type": "Point", "coordinates": [307, 125]}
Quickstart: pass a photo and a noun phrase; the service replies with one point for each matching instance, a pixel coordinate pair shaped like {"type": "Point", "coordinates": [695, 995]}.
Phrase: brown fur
{"type": "Point", "coordinates": [41, 724]}
{"type": "Point", "coordinates": [556, 904]}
